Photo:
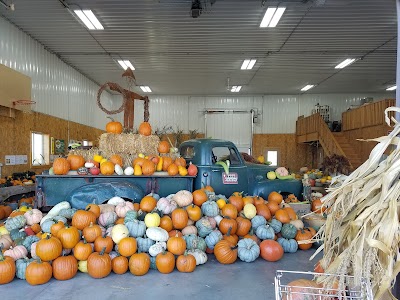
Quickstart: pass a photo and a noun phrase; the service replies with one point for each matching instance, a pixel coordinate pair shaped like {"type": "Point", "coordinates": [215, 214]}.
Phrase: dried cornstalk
{"type": "Point", "coordinates": [361, 235]}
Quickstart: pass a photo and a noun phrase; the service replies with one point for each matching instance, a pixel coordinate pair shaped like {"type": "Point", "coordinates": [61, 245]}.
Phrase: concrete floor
{"type": "Point", "coordinates": [210, 281]}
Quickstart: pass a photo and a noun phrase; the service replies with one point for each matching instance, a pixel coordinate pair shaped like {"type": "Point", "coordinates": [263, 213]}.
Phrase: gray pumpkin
{"type": "Point", "coordinates": [136, 228]}
{"type": "Point", "coordinates": [144, 243]}
{"type": "Point", "coordinates": [248, 250]}
{"type": "Point", "coordinates": [67, 212]}
{"type": "Point", "coordinates": [60, 218]}
{"type": "Point", "coordinates": [153, 262]}
{"type": "Point", "coordinates": [258, 221]}
{"type": "Point", "coordinates": [46, 226]}
{"type": "Point", "coordinates": [21, 265]}
{"type": "Point", "coordinates": [276, 225]}
{"type": "Point", "coordinates": [288, 231]}
{"type": "Point", "coordinates": [16, 234]}
{"type": "Point", "coordinates": [213, 238]}
{"type": "Point", "coordinates": [130, 216]}
{"type": "Point", "coordinates": [204, 227]}
{"type": "Point", "coordinates": [27, 243]}
{"type": "Point", "coordinates": [15, 223]}
{"type": "Point", "coordinates": [265, 232]}
{"type": "Point", "coordinates": [195, 242]}
{"type": "Point", "coordinates": [288, 245]}
{"type": "Point", "coordinates": [210, 208]}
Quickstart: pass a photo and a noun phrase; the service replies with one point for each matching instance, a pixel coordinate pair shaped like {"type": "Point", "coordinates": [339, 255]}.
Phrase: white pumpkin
{"type": "Point", "coordinates": [191, 229]}
{"type": "Point", "coordinates": [166, 205]}
{"type": "Point", "coordinates": [157, 234]}
{"type": "Point", "coordinates": [115, 201]}
{"type": "Point", "coordinates": [106, 208]}
{"type": "Point", "coordinates": [55, 210]}
{"type": "Point", "coordinates": [128, 171]}
{"type": "Point", "coordinates": [200, 256]}
{"type": "Point", "coordinates": [122, 208]}
{"type": "Point", "coordinates": [118, 170]}
{"type": "Point", "coordinates": [89, 164]}
{"type": "Point", "coordinates": [157, 248]}
{"type": "Point", "coordinates": [297, 223]}
{"type": "Point", "coordinates": [33, 216]}
{"type": "Point", "coordinates": [119, 232]}
{"type": "Point", "coordinates": [183, 198]}
{"type": "Point", "coordinates": [249, 211]}
{"type": "Point", "coordinates": [218, 219]}
{"type": "Point", "coordinates": [190, 222]}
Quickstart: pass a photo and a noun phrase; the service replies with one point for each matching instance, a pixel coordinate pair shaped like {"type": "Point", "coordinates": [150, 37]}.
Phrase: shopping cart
{"type": "Point", "coordinates": [351, 292]}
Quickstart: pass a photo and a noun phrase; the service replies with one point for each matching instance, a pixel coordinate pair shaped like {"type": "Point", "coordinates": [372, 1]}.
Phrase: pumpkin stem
{"type": "Point", "coordinates": [2, 258]}
{"type": "Point", "coordinates": [229, 231]}
{"type": "Point", "coordinates": [84, 240]}
{"type": "Point", "coordinates": [112, 119]}
{"type": "Point", "coordinates": [102, 251]}
{"type": "Point", "coordinates": [88, 208]}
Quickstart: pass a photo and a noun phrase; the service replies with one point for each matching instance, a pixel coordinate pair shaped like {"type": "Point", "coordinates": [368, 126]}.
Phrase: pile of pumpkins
{"type": "Point", "coordinates": [142, 165]}
{"type": "Point", "coordinates": [177, 231]}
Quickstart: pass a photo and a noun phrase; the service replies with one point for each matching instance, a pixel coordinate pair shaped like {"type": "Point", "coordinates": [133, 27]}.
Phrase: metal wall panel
{"type": "Point", "coordinates": [57, 88]}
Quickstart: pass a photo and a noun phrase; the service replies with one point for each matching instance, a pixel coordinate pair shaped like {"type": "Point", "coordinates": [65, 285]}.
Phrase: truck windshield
{"type": "Point", "coordinates": [187, 152]}
{"type": "Point", "coordinates": [223, 154]}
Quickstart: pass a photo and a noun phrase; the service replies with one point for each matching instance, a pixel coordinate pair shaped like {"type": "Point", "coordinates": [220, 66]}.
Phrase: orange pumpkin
{"type": "Point", "coordinates": [316, 206]}
{"type": "Point", "coordinates": [247, 200]}
{"type": "Point", "coordinates": [273, 207]}
{"type": "Point", "coordinates": [258, 200]}
{"type": "Point", "coordinates": [271, 250]}
{"type": "Point", "coordinates": [107, 168]}
{"type": "Point", "coordinates": [145, 128]}
{"type": "Point", "coordinates": [148, 203]}
{"type": "Point", "coordinates": [263, 210]}
{"type": "Point", "coordinates": [114, 127]}
{"type": "Point", "coordinates": [75, 161]}
{"type": "Point", "coordinates": [275, 197]}
{"type": "Point", "coordinates": [176, 245]}
{"type": "Point", "coordinates": [292, 214]}
{"type": "Point", "coordinates": [138, 161]}
{"type": "Point", "coordinates": [179, 218]}
{"type": "Point", "coordinates": [237, 200]}
{"type": "Point", "coordinates": [148, 167]}
{"type": "Point", "coordinates": [166, 223]}
{"type": "Point", "coordinates": [61, 166]}
{"type": "Point", "coordinates": [167, 161]}
{"type": "Point", "coordinates": [229, 210]}
{"type": "Point", "coordinates": [117, 160]}
{"type": "Point", "coordinates": [180, 161]}
{"type": "Point", "coordinates": [199, 197]}
{"type": "Point", "coordinates": [194, 212]}
{"type": "Point", "coordinates": [163, 147]}
{"type": "Point", "coordinates": [282, 216]}
{"type": "Point", "coordinates": [173, 170]}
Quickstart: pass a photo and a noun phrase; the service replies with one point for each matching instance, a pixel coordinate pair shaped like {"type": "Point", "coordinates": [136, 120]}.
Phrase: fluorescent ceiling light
{"type": "Point", "coordinates": [145, 89]}
{"type": "Point", "coordinates": [307, 87]}
{"type": "Point", "coordinates": [392, 88]}
{"type": "Point", "coordinates": [89, 19]}
{"type": "Point", "coordinates": [236, 88]}
{"type": "Point", "coordinates": [248, 64]}
{"type": "Point", "coordinates": [345, 63]}
{"type": "Point", "coordinates": [125, 64]}
{"type": "Point", "coordinates": [272, 16]}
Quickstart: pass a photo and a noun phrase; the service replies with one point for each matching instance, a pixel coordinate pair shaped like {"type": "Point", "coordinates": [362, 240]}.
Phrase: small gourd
{"type": "Point", "coordinates": [152, 220]}
{"type": "Point", "coordinates": [119, 232]}
{"type": "Point", "coordinates": [249, 211]}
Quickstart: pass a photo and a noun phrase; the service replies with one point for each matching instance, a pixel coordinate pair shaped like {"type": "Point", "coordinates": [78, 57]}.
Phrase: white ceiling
{"type": "Point", "coordinates": [176, 54]}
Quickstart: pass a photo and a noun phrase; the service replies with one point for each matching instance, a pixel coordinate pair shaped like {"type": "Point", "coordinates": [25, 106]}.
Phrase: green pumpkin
{"type": "Point", "coordinates": [130, 216]}
{"type": "Point", "coordinates": [136, 228]}
{"type": "Point", "coordinates": [60, 218]}
{"type": "Point", "coordinates": [210, 208]}
{"type": "Point", "coordinates": [141, 215]}
{"type": "Point", "coordinates": [265, 232]}
{"type": "Point", "coordinates": [144, 243]}
{"type": "Point", "coordinates": [213, 238]}
{"type": "Point", "coordinates": [15, 223]}
{"type": "Point", "coordinates": [16, 234]}
{"type": "Point", "coordinates": [248, 250]}
{"type": "Point", "coordinates": [28, 241]}
{"type": "Point", "coordinates": [276, 225]}
{"type": "Point", "coordinates": [288, 245]}
{"type": "Point", "coordinates": [258, 221]}
{"type": "Point", "coordinates": [288, 231]}
{"type": "Point", "coordinates": [47, 225]}
{"type": "Point", "coordinates": [67, 212]}
{"type": "Point", "coordinates": [21, 265]}
{"type": "Point", "coordinates": [195, 242]}
{"type": "Point", "coordinates": [204, 227]}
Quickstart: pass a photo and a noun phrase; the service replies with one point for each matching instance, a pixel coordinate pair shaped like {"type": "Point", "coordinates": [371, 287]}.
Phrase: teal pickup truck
{"type": "Point", "coordinates": [250, 178]}
{"type": "Point", "coordinates": [210, 157]}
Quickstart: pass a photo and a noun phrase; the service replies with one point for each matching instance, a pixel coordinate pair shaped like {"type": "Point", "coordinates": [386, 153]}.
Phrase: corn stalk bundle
{"type": "Point", "coordinates": [361, 234]}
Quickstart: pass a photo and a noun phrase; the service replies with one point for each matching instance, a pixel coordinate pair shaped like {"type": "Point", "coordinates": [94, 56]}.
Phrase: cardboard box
{"type": "Point", "coordinates": [301, 208]}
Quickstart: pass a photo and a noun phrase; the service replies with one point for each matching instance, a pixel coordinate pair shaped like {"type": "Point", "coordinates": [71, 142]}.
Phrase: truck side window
{"type": "Point", "coordinates": [223, 154]}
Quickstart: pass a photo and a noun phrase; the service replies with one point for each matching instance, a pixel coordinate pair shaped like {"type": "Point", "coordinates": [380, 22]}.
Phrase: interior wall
{"type": "Point", "coordinates": [15, 136]}
{"type": "Point", "coordinates": [58, 89]}
{"type": "Point", "coordinates": [292, 155]}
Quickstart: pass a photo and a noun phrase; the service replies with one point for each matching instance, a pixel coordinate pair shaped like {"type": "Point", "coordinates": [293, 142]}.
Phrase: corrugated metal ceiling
{"type": "Point", "coordinates": [176, 54]}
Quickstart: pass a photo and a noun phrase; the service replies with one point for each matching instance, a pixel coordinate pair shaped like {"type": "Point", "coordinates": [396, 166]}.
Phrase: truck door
{"type": "Point", "coordinates": [236, 179]}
